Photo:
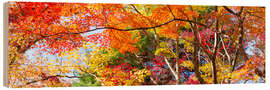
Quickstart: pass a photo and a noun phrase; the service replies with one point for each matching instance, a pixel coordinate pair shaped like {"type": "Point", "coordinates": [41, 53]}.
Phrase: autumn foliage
{"type": "Point", "coordinates": [79, 44]}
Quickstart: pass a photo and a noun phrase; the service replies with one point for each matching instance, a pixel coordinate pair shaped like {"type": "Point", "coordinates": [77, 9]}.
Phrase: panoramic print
{"type": "Point", "coordinates": [101, 44]}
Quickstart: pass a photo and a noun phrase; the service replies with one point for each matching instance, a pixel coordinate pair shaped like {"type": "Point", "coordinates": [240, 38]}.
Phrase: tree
{"type": "Point", "coordinates": [130, 44]}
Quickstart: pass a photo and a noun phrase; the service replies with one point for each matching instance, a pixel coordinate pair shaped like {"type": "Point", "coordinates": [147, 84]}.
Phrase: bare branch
{"type": "Point", "coordinates": [171, 69]}
{"type": "Point", "coordinates": [171, 11]}
{"type": "Point", "coordinates": [226, 52]}
{"type": "Point", "coordinates": [241, 10]}
{"type": "Point", "coordinates": [48, 77]}
{"type": "Point", "coordinates": [229, 10]}
{"type": "Point", "coordinates": [134, 7]}
{"type": "Point", "coordinates": [130, 29]}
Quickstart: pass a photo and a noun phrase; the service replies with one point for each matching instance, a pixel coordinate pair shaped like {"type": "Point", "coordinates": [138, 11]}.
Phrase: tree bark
{"type": "Point", "coordinates": [195, 59]}
{"type": "Point", "coordinates": [213, 57]}
{"type": "Point", "coordinates": [176, 60]}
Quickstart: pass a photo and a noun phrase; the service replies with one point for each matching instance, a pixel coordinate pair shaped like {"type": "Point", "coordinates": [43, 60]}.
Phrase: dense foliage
{"type": "Point", "coordinates": [78, 44]}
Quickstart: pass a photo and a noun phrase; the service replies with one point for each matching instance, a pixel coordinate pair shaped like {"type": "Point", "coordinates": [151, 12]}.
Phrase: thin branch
{"type": "Point", "coordinates": [229, 10]}
{"type": "Point", "coordinates": [150, 22]}
{"type": "Point", "coordinates": [241, 10]}
{"type": "Point", "coordinates": [130, 29]}
{"type": "Point", "coordinates": [104, 15]}
{"type": "Point", "coordinates": [171, 69]}
{"type": "Point", "coordinates": [225, 49]}
{"type": "Point", "coordinates": [48, 77]}
{"type": "Point", "coordinates": [171, 11]}
{"type": "Point", "coordinates": [177, 58]}
{"type": "Point", "coordinates": [235, 60]}
{"type": "Point", "coordinates": [155, 82]}
{"type": "Point", "coordinates": [134, 7]}
{"type": "Point", "coordinates": [91, 74]}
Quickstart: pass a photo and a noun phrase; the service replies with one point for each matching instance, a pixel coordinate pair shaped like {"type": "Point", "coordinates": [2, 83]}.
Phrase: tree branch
{"type": "Point", "coordinates": [196, 47]}
{"type": "Point", "coordinates": [48, 77]}
{"type": "Point", "coordinates": [241, 10]}
{"type": "Point", "coordinates": [229, 10]}
{"type": "Point", "coordinates": [171, 11]}
{"type": "Point", "coordinates": [213, 57]}
{"type": "Point", "coordinates": [134, 7]}
{"type": "Point", "coordinates": [225, 49]}
{"type": "Point", "coordinates": [130, 29]}
{"type": "Point", "coordinates": [171, 69]}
